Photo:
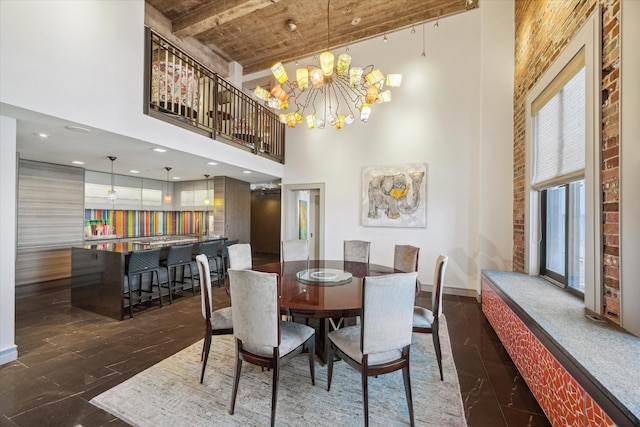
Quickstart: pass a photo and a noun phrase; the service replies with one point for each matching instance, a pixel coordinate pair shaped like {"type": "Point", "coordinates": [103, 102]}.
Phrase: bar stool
{"type": "Point", "coordinates": [212, 250]}
{"type": "Point", "coordinates": [225, 255]}
{"type": "Point", "coordinates": [141, 263]}
{"type": "Point", "coordinates": [179, 256]}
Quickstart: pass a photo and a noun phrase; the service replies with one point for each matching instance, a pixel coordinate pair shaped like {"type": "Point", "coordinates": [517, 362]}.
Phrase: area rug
{"type": "Point", "coordinates": [170, 394]}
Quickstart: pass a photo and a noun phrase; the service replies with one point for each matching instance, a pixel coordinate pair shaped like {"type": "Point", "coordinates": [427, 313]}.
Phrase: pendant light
{"type": "Point", "coordinates": [167, 195]}
{"type": "Point", "coordinates": [111, 194]}
{"type": "Point", "coordinates": [206, 197]}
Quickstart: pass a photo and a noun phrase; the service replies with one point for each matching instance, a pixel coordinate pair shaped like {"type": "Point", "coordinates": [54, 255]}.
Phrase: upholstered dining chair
{"type": "Point", "coordinates": [261, 338]}
{"type": "Point", "coordinates": [224, 254]}
{"type": "Point", "coordinates": [357, 251]}
{"type": "Point", "coordinates": [239, 259]}
{"type": "Point", "coordinates": [425, 320]}
{"type": "Point", "coordinates": [217, 322]}
{"type": "Point", "coordinates": [381, 342]}
{"type": "Point", "coordinates": [295, 250]}
{"type": "Point", "coordinates": [405, 258]}
{"type": "Point", "coordinates": [240, 256]}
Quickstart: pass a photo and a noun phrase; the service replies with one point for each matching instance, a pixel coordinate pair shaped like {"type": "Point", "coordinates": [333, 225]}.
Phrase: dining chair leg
{"type": "Point", "coordinates": [205, 351]}
{"type": "Point", "coordinates": [436, 346]}
{"type": "Point", "coordinates": [329, 355]}
{"type": "Point", "coordinates": [236, 380]}
{"type": "Point", "coordinates": [204, 346]}
{"type": "Point", "coordinates": [274, 391]}
{"type": "Point", "coordinates": [406, 376]}
{"type": "Point", "coordinates": [311, 348]}
{"type": "Point", "coordinates": [365, 390]}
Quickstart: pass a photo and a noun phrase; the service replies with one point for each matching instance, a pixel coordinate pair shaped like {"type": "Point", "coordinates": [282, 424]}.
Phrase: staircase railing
{"type": "Point", "coordinates": [180, 90]}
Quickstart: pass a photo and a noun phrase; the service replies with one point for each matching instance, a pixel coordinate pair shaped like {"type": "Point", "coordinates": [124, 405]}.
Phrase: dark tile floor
{"type": "Point", "coordinates": [68, 355]}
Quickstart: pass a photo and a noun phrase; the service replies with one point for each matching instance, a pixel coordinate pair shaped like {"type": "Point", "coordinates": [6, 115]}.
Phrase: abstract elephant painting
{"type": "Point", "coordinates": [394, 196]}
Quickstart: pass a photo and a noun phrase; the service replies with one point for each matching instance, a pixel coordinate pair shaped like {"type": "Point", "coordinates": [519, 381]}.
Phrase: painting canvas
{"type": "Point", "coordinates": [394, 196]}
{"type": "Point", "coordinates": [302, 229]}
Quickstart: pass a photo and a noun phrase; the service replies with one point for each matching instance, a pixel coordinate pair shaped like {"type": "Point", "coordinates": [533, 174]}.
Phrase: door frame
{"type": "Point", "coordinates": [289, 207]}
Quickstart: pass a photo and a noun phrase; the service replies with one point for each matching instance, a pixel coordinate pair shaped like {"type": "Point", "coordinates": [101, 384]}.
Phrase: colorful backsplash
{"type": "Point", "coordinates": [129, 223]}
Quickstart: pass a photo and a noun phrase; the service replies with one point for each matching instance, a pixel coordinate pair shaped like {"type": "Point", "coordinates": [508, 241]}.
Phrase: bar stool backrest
{"type": "Point", "coordinates": [225, 246]}
{"type": "Point", "coordinates": [144, 260]}
{"type": "Point", "coordinates": [210, 248]}
{"type": "Point", "coordinates": [179, 255]}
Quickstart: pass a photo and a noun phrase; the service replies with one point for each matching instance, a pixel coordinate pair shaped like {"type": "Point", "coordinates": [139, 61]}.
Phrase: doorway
{"type": "Point", "coordinates": [304, 216]}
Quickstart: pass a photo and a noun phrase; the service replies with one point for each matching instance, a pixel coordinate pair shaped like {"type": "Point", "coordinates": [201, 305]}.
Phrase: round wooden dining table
{"type": "Point", "coordinates": [329, 301]}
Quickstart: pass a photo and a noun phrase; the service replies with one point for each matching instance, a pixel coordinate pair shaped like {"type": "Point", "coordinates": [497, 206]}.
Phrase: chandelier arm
{"type": "Point", "coordinates": [351, 92]}
{"type": "Point", "coordinates": [343, 90]}
{"type": "Point", "coordinates": [302, 101]}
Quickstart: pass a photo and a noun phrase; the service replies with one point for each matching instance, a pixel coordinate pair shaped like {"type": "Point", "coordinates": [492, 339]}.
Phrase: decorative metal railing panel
{"type": "Point", "coordinates": [179, 89]}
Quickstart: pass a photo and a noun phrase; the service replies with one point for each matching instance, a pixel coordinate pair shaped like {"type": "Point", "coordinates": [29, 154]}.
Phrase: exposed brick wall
{"type": "Point", "coordinates": [543, 28]}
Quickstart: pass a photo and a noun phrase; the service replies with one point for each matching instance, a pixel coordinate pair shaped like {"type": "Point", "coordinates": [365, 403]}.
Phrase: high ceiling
{"type": "Point", "coordinates": [255, 33]}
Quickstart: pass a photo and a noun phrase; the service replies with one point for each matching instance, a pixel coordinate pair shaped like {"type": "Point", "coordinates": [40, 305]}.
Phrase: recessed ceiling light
{"type": "Point", "coordinates": [212, 163]}
{"type": "Point", "coordinates": [78, 129]}
{"type": "Point", "coordinates": [134, 171]}
{"type": "Point", "coordinates": [41, 135]}
{"type": "Point", "coordinates": [159, 150]}
{"type": "Point", "coordinates": [77, 162]}
{"type": "Point", "coordinates": [246, 171]}
{"type": "Point", "coordinates": [176, 177]}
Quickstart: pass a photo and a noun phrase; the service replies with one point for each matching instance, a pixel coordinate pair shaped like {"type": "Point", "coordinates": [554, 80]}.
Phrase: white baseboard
{"type": "Point", "coordinates": [8, 354]}
{"type": "Point", "coordinates": [448, 290]}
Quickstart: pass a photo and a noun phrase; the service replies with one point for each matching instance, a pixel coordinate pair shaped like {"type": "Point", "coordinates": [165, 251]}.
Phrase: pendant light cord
{"type": "Point", "coordinates": [328, 3]}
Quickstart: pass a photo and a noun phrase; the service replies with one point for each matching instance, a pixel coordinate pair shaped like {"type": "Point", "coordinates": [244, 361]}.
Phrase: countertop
{"type": "Point", "coordinates": [142, 243]}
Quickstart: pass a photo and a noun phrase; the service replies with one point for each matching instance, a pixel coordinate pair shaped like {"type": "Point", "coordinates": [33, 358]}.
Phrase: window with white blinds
{"type": "Point", "coordinates": [559, 126]}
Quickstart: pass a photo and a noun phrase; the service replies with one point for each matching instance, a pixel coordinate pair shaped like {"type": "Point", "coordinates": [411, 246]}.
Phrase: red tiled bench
{"type": "Point", "coordinates": [566, 391]}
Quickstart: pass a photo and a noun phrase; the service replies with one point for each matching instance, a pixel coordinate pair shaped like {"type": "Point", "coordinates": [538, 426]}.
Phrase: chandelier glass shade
{"type": "Point", "coordinates": [330, 93]}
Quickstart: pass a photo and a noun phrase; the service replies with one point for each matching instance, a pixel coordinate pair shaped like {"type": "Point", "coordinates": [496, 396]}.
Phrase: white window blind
{"type": "Point", "coordinates": [559, 120]}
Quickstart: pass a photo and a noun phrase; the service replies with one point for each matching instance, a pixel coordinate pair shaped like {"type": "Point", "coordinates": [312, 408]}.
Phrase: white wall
{"type": "Point", "coordinates": [8, 349]}
{"type": "Point", "coordinates": [83, 61]}
{"type": "Point", "coordinates": [496, 130]}
{"type": "Point", "coordinates": [435, 118]}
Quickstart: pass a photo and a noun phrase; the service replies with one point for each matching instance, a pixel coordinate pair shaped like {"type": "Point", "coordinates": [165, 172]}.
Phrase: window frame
{"type": "Point", "coordinates": [587, 38]}
{"type": "Point", "coordinates": [562, 281]}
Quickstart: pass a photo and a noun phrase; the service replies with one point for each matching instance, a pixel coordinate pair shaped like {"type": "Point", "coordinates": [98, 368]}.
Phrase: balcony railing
{"type": "Point", "coordinates": [182, 91]}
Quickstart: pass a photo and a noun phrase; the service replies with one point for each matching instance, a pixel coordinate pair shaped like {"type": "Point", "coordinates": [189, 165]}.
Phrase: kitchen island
{"type": "Point", "coordinates": [98, 270]}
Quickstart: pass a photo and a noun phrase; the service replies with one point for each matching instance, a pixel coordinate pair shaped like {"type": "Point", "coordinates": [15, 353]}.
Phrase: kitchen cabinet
{"type": "Point", "coordinates": [50, 220]}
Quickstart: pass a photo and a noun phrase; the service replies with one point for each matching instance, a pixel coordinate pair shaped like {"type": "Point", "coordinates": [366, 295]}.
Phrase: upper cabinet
{"type": "Point", "coordinates": [193, 195]}
{"type": "Point", "coordinates": [146, 194]}
{"type": "Point", "coordinates": [131, 193]}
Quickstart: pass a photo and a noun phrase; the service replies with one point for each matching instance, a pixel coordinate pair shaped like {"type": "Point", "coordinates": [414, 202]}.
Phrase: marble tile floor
{"type": "Point", "coordinates": [68, 355]}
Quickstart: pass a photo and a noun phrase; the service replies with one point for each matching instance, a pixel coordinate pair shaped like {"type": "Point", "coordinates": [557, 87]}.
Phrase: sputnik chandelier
{"type": "Point", "coordinates": [328, 94]}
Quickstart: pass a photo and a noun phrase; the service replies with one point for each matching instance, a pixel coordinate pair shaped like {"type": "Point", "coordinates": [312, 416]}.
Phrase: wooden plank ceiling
{"type": "Point", "coordinates": [254, 33]}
